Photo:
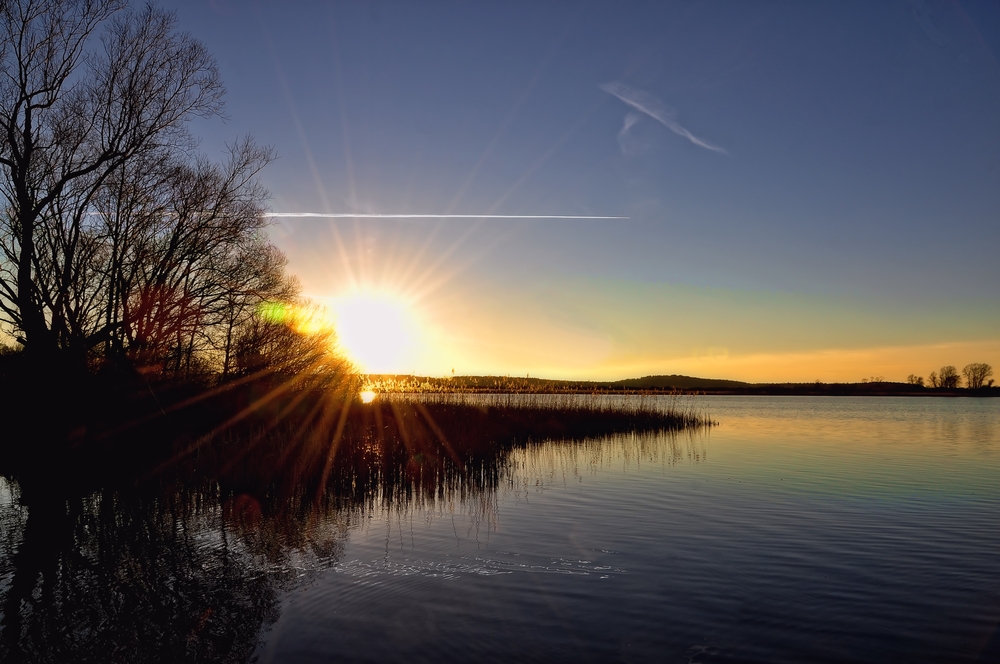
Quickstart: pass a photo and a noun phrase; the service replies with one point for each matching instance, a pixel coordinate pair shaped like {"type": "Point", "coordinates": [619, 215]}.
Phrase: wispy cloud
{"type": "Point", "coordinates": [656, 109]}
{"type": "Point", "coordinates": [353, 215]}
{"type": "Point", "coordinates": [624, 135]}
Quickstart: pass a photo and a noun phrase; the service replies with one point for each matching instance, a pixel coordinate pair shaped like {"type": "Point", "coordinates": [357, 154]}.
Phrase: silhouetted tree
{"type": "Point", "coordinates": [976, 375]}
{"type": "Point", "coordinates": [115, 236]}
{"type": "Point", "coordinates": [186, 256]}
{"type": "Point", "coordinates": [258, 273]}
{"type": "Point", "coordinates": [913, 379]}
{"type": "Point", "coordinates": [289, 338]}
{"type": "Point", "coordinates": [948, 377]}
{"type": "Point", "coordinates": [72, 114]}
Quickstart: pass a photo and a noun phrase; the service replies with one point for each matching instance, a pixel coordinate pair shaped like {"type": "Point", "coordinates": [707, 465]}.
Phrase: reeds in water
{"type": "Point", "coordinates": [420, 443]}
{"type": "Point", "coordinates": [605, 412]}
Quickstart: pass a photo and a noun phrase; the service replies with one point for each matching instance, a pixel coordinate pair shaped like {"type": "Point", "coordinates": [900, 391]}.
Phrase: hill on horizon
{"type": "Point", "coordinates": [679, 382]}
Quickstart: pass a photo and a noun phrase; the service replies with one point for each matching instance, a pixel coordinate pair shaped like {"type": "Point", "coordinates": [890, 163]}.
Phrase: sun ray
{"type": "Point", "coordinates": [332, 452]}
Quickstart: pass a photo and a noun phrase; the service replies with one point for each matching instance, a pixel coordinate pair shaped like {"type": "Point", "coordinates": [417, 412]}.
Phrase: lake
{"type": "Point", "coordinates": [798, 529]}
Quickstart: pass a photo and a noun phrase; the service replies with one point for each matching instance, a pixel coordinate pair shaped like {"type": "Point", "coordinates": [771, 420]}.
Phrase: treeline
{"type": "Point", "coordinates": [976, 376]}
{"type": "Point", "coordinates": [119, 244]}
{"type": "Point", "coordinates": [875, 385]}
{"type": "Point", "coordinates": [525, 385]}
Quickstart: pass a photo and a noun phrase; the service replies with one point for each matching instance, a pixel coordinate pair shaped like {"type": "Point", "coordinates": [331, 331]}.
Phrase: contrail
{"type": "Point", "coordinates": [368, 215]}
{"type": "Point", "coordinates": [656, 109]}
{"type": "Point", "coordinates": [922, 13]}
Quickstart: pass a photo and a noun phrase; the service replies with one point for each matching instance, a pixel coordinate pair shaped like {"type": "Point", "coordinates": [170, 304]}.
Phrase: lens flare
{"type": "Point", "coordinates": [306, 320]}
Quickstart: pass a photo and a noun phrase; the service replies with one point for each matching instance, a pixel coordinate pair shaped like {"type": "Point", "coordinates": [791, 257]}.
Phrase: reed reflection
{"type": "Point", "coordinates": [555, 461]}
{"type": "Point", "coordinates": [401, 450]}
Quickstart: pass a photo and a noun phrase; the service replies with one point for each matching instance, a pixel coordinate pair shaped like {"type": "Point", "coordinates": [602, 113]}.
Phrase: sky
{"type": "Point", "coordinates": [791, 191]}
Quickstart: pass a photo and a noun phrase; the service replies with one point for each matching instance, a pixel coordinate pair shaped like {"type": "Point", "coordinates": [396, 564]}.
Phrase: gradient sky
{"type": "Point", "coordinates": [813, 189]}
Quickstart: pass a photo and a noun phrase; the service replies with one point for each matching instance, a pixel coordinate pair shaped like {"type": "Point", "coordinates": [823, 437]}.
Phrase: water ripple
{"type": "Point", "coordinates": [368, 571]}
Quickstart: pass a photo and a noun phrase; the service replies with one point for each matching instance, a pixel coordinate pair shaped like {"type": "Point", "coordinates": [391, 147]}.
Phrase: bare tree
{"type": "Point", "coordinates": [72, 113]}
{"type": "Point", "coordinates": [948, 377]}
{"type": "Point", "coordinates": [258, 278]}
{"type": "Point", "coordinates": [913, 379]}
{"type": "Point", "coordinates": [277, 339]}
{"type": "Point", "coordinates": [188, 252]}
{"type": "Point", "coordinates": [977, 374]}
{"type": "Point", "coordinates": [118, 241]}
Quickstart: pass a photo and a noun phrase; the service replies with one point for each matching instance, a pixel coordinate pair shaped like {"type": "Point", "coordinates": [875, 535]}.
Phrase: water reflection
{"type": "Point", "coordinates": [121, 576]}
{"type": "Point", "coordinates": [796, 529]}
{"type": "Point", "coordinates": [556, 462]}
{"type": "Point", "coordinates": [189, 563]}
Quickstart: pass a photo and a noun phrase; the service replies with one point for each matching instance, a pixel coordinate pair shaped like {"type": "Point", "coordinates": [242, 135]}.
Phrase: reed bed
{"type": "Point", "coordinates": [672, 411]}
{"type": "Point", "coordinates": [417, 445]}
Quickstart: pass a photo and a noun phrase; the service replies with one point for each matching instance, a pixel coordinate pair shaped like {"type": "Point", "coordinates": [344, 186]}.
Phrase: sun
{"type": "Point", "coordinates": [377, 331]}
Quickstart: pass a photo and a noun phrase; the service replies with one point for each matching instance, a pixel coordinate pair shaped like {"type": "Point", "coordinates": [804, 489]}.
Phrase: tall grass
{"type": "Point", "coordinates": [404, 447]}
{"type": "Point", "coordinates": [672, 411]}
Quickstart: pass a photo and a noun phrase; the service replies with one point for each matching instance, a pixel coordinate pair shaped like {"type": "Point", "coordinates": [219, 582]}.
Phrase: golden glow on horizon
{"type": "Point", "coordinates": [848, 365]}
{"type": "Point", "coordinates": [367, 396]}
{"type": "Point", "coordinates": [409, 299]}
{"type": "Point", "coordinates": [377, 331]}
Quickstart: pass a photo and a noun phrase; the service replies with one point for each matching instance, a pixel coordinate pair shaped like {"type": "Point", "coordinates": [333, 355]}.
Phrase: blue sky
{"type": "Point", "coordinates": [845, 226]}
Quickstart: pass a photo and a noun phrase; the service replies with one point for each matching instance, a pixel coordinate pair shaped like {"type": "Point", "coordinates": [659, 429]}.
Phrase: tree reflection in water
{"type": "Point", "coordinates": [180, 575]}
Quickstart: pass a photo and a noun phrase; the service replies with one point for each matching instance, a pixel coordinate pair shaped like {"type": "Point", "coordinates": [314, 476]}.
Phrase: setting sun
{"type": "Point", "coordinates": [376, 331]}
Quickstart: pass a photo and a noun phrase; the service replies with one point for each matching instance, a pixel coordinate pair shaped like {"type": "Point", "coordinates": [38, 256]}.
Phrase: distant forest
{"type": "Point", "coordinates": [677, 383]}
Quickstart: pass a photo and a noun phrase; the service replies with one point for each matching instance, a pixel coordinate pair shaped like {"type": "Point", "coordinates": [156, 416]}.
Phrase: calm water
{"type": "Point", "coordinates": [800, 529]}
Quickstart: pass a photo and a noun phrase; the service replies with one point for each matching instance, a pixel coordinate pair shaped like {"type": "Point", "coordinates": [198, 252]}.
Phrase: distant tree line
{"type": "Point", "coordinates": [118, 242]}
{"type": "Point", "coordinates": [977, 376]}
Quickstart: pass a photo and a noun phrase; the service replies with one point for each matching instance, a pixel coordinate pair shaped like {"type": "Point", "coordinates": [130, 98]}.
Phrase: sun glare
{"type": "Point", "coordinates": [376, 331]}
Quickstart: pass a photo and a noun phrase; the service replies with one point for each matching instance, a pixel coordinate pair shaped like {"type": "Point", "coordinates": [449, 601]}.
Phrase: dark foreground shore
{"type": "Point", "coordinates": [84, 431]}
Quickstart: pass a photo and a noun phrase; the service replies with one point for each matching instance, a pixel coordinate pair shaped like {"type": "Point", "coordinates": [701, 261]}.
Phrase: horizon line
{"type": "Point", "coordinates": [379, 215]}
